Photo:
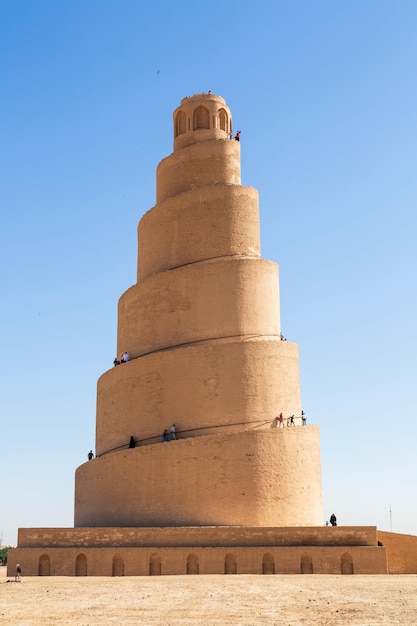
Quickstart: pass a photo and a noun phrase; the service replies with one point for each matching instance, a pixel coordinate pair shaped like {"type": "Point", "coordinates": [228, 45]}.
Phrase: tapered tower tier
{"type": "Point", "coordinates": [265, 478]}
{"type": "Point", "coordinates": [203, 300]}
{"type": "Point", "coordinates": [204, 388]}
{"type": "Point", "coordinates": [206, 223]}
{"type": "Point", "coordinates": [205, 164]}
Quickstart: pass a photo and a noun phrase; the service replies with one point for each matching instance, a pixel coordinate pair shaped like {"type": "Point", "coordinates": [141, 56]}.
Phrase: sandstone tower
{"type": "Point", "coordinates": [202, 328]}
{"type": "Point", "coordinates": [235, 492]}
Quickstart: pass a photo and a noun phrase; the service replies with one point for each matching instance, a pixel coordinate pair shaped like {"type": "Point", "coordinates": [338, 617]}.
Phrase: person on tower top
{"type": "Point", "coordinates": [125, 357]}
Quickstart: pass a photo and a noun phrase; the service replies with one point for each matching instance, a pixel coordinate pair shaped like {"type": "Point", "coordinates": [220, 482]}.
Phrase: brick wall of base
{"type": "Point", "coordinates": [198, 550]}
{"type": "Point", "coordinates": [187, 560]}
{"type": "Point", "coordinates": [401, 552]}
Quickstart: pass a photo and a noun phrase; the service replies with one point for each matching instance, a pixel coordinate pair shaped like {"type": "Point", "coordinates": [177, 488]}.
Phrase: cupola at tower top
{"type": "Point", "coordinates": [202, 117]}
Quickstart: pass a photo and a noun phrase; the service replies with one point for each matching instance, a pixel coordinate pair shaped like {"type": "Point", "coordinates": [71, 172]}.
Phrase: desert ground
{"type": "Point", "coordinates": [213, 600]}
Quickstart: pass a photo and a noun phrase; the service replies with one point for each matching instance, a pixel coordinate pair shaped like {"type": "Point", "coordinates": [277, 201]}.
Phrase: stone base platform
{"type": "Point", "coordinates": [198, 550]}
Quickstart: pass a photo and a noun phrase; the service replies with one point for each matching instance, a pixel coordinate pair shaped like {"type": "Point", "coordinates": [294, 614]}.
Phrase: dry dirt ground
{"type": "Point", "coordinates": [213, 600]}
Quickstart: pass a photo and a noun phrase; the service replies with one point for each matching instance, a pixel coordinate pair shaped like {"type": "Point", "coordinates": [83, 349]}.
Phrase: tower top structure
{"type": "Point", "coordinates": [201, 117]}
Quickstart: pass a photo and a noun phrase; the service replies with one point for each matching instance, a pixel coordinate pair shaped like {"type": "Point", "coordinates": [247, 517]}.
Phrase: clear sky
{"type": "Point", "coordinates": [325, 94]}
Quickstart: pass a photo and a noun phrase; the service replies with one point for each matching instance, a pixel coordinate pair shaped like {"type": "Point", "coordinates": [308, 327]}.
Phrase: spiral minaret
{"type": "Point", "coordinates": [237, 491]}
{"type": "Point", "coordinates": [202, 328]}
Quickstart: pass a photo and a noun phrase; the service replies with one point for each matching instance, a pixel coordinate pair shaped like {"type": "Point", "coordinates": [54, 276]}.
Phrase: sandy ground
{"type": "Point", "coordinates": [213, 600]}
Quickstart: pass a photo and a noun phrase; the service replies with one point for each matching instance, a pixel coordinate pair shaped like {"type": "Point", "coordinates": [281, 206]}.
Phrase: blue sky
{"type": "Point", "coordinates": [325, 94]}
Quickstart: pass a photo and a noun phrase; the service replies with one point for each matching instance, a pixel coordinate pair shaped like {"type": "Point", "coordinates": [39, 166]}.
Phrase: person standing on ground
{"type": "Point", "coordinates": [18, 575]}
